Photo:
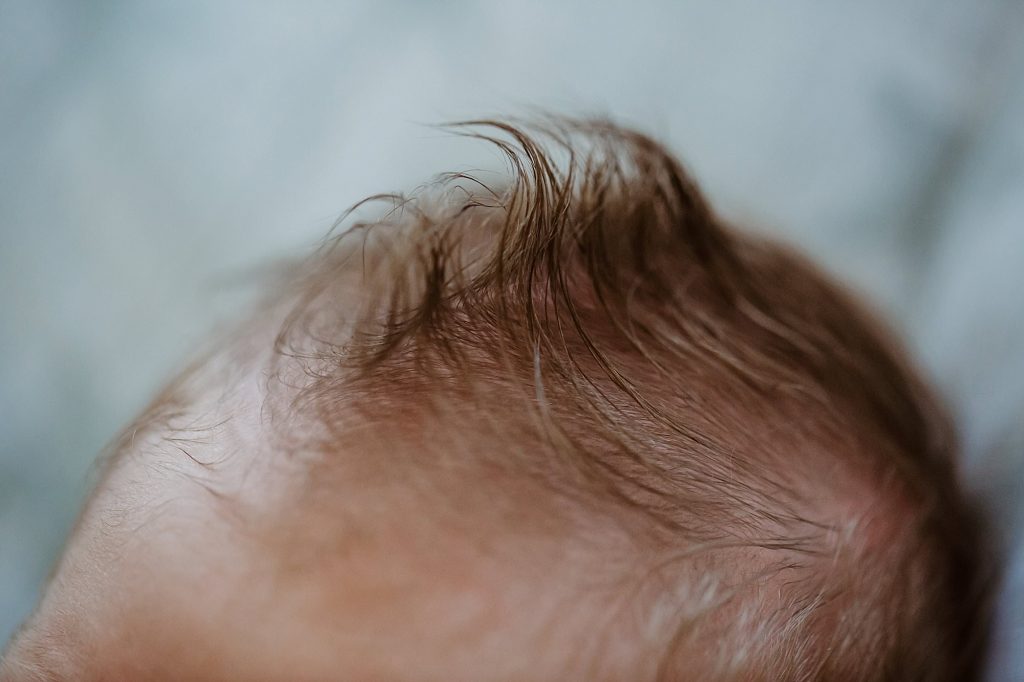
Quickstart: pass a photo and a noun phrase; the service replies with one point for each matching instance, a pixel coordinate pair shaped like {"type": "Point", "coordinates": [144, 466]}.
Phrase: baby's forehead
{"type": "Point", "coordinates": [209, 542]}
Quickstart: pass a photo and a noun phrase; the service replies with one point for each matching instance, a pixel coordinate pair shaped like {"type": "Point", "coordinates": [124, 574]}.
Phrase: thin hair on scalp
{"type": "Point", "coordinates": [682, 370]}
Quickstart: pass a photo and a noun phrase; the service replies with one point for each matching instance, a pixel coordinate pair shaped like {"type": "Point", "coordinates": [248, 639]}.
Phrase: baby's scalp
{"type": "Point", "coordinates": [568, 427]}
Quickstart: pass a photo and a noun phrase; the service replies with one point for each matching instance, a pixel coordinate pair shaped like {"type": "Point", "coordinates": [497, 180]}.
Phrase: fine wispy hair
{"type": "Point", "coordinates": [590, 317]}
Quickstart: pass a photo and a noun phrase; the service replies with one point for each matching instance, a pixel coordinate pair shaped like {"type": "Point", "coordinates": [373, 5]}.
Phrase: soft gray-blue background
{"type": "Point", "coordinates": [151, 153]}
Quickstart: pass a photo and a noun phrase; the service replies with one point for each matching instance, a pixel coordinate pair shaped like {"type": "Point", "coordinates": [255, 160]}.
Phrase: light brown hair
{"type": "Point", "coordinates": [640, 359]}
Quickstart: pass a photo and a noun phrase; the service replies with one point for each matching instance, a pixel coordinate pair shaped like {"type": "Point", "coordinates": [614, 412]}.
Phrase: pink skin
{"type": "Point", "coordinates": [211, 557]}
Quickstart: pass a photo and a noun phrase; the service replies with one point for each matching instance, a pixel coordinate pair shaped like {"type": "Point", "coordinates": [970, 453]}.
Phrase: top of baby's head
{"type": "Point", "coordinates": [564, 426]}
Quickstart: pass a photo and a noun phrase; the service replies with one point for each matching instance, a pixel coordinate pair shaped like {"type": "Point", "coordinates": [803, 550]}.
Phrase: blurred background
{"type": "Point", "coordinates": [152, 154]}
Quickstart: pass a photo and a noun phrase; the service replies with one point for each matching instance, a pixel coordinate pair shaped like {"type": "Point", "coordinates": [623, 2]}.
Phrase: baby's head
{"type": "Point", "coordinates": [568, 427]}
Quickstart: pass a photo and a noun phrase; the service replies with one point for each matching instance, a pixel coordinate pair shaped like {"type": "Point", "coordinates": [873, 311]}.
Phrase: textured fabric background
{"type": "Point", "coordinates": [152, 154]}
